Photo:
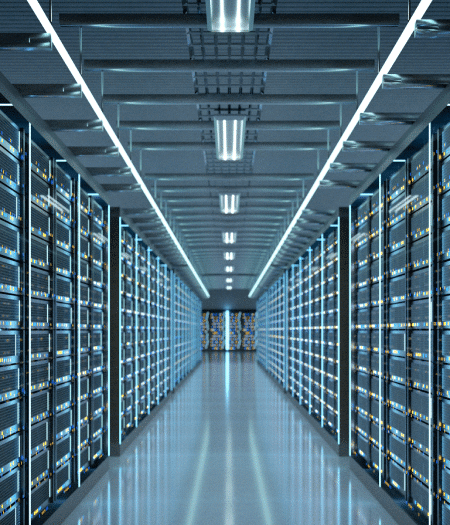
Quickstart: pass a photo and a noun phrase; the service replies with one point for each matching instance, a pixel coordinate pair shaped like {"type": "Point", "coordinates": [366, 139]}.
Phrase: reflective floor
{"type": "Point", "coordinates": [229, 448]}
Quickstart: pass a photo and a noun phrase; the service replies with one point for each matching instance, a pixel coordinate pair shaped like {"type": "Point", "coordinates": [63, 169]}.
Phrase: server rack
{"type": "Point", "coordinates": [248, 331]}
{"type": "Point", "coordinates": [304, 319]}
{"type": "Point", "coordinates": [53, 264]}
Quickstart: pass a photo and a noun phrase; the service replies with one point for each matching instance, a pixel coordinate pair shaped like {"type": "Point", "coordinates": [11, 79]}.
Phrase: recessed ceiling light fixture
{"type": "Point", "coordinates": [229, 203]}
{"type": "Point", "coordinates": [229, 237]}
{"type": "Point", "coordinates": [230, 136]}
{"type": "Point", "coordinates": [354, 121]}
{"type": "Point", "coordinates": [229, 269]}
{"type": "Point", "coordinates": [229, 256]}
{"type": "Point", "coordinates": [229, 287]}
{"type": "Point", "coordinates": [229, 280]}
{"type": "Point", "coordinates": [230, 16]}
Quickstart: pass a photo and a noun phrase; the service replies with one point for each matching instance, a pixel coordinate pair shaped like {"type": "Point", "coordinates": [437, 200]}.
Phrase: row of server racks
{"type": "Point", "coordinates": [55, 301]}
{"type": "Point", "coordinates": [398, 325]}
{"type": "Point", "coordinates": [298, 331]}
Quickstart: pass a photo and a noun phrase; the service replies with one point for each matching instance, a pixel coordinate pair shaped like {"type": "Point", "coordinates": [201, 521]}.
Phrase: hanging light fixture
{"type": "Point", "coordinates": [229, 280]}
{"type": "Point", "coordinates": [229, 203]}
{"type": "Point", "coordinates": [230, 136]}
{"type": "Point", "coordinates": [229, 256]}
{"type": "Point", "coordinates": [229, 237]}
{"type": "Point", "coordinates": [230, 16]}
{"type": "Point", "coordinates": [229, 269]}
{"type": "Point", "coordinates": [229, 287]}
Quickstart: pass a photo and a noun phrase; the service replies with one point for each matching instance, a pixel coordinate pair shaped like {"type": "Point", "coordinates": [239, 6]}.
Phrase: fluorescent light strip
{"type": "Point", "coordinates": [393, 55]}
{"type": "Point", "coordinates": [225, 145]}
{"type": "Point", "coordinates": [222, 16]}
{"type": "Point", "coordinates": [235, 134]}
{"type": "Point", "coordinates": [59, 46]}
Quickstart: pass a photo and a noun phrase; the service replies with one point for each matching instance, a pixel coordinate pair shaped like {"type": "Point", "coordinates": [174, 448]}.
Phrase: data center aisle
{"type": "Point", "coordinates": [229, 448]}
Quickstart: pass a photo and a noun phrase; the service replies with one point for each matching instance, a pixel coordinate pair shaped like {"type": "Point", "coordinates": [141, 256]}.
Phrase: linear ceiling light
{"type": "Point", "coordinates": [230, 16]}
{"type": "Point", "coordinates": [59, 46]}
{"type": "Point", "coordinates": [229, 237]}
{"type": "Point", "coordinates": [229, 280]}
{"type": "Point", "coordinates": [229, 269]}
{"type": "Point", "coordinates": [376, 84]}
{"type": "Point", "coordinates": [229, 203]}
{"type": "Point", "coordinates": [229, 256]}
{"type": "Point", "coordinates": [230, 137]}
{"type": "Point", "coordinates": [228, 287]}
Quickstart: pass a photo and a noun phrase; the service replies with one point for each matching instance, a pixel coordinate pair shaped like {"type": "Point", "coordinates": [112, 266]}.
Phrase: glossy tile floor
{"type": "Point", "coordinates": [229, 448]}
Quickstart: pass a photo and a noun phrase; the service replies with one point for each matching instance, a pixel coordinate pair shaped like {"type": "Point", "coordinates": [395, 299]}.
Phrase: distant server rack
{"type": "Point", "coordinates": [248, 331]}
{"type": "Point", "coordinates": [155, 339]}
{"type": "Point", "coordinates": [299, 335]}
{"type": "Point", "coordinates": [53, 341]}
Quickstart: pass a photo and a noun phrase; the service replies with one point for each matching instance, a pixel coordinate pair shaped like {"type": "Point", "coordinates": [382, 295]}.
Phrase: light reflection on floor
{"type": "Point", "coordinates": [229, 448]}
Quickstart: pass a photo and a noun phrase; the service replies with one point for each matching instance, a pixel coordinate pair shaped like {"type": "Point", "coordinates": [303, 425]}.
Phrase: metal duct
{"type": "Point", "coordinates": [210, 146]}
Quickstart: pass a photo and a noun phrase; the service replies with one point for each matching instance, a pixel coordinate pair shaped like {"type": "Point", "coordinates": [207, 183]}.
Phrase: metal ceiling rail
{"type": "Point", "coordinates": [262, 21]}
{"type": "Point", "coordinates": [210, 146]}
{"type": "Point", "coordinates": [388, 118]}
{"type": "Point", "coordinates": [275, 177]}
{"type": "Point", "coordinates": [76, 125]}
{"type": "Point", "coordinates": [227, 189]}
{"type": "Point", "coordinates": [346, 166]}
{"type": "Point", "coordinates": [25, 41]}
{"type": "Point", "coordinates": [225, 99]}
{"type": "Point", "coordinates": [307, 125]}
{"type": "Point", "coordinates": [351, 145]}
{"type": "Point", "coordinates": [416, 81]}
{"type": "Point", "coordinates": [49, 90]}
{"type": "Point", "coordinates": [432, 28]}
{"type": "Point", "coordinates": [226, 66]}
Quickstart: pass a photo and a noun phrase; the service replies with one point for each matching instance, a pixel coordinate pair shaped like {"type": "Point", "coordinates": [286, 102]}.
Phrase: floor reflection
{"type": "Point", "coordinates": [229, 448]}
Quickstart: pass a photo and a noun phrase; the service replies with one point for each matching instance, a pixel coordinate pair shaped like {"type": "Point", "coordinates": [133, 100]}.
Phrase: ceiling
{"type": "Point", "coordinates": [185, 180]}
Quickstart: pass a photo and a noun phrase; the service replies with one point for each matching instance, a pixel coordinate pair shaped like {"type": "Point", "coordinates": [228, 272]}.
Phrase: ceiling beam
{"type": "Point", "coordinates": [226, 99]}
{"type": "Point", "coordinates": [278, 125]}
{"type": "Point", "coordinates": [210, 146]}
{"type": "Point", "coordinates": [226, 66]}
{"type": "Point", "coordinates": [262, 21]}
{"type": "Point", "coordinates": [161, 177]}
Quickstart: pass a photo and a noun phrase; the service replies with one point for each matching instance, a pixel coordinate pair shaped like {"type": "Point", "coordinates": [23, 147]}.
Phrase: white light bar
{"type": "Point", "coordinates": [59, 46]}
{"type": "Point", "coordinates": [230, 137]}
{"type": "Point", "coordinates": [229, 237]}
{"type": "Point", "coordinates": [230, 16]}
{"type": "Point", "coordinates": [376, 84]}
{"type": "Point", "coordinates": [229, 280]}
{"type": "Point", "coordinates": [229, 269]}
{"type": "Point", "coordinates": [229, 287]}
{"type": "Point", "coordinates": [229, 203]}
{"type": "Point", "coordinates": [229, 256]}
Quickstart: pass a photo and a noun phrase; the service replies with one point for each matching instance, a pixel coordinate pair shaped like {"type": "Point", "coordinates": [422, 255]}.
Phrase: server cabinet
{"type": "Point", "coordinates": [302, 331]}
{"type": "Point", "coordinates": [53, 349]}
